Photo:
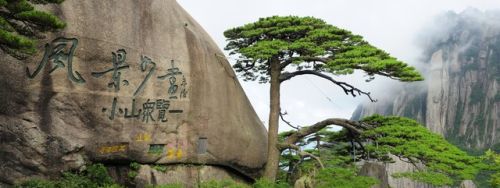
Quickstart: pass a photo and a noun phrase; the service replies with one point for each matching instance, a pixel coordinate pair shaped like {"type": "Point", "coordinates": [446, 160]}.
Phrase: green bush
{"type": "Point", "coordinates": [43, 18]}
{"type": "Point", "coordinates": [132, 174]}
{"type": "Point", "coordinates": [263, 183]}
{"type": "Point", "coordinates": [342, 178]}
{"type": "Point", "coordinates": [135, 166]}
{"type": "Point", "coordinates": [222, 183]}
{"type": "Point", "coordinates": [436, 179]}
{"type": "Point", "coordinates": [405, 138]}
{"type": "Point", "coordinates": [95, 176]}
{"type": "Point", "coordinates": [37, 183]}
{"type": "Point", "coordinates": [493, 160]}
{"type": "Point", "coordinates": [177, 185]}
{"type": "Point", "coordinates": [160, 168]}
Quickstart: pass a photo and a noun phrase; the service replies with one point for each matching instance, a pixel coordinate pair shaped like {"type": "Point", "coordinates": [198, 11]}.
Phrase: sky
{"type": "Point", "coordinates": [392, 25]}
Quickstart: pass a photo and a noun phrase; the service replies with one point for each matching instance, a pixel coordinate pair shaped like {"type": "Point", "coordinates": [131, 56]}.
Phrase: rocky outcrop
{"type": "Point", "coordinates": [460, 98]}
{"type": "Point", "coordinates": [189, 176]}
{"type": "Point", "coordinates": [467, 184]}
{"type": "Point", "coordinates": [384, 172]}
{"type": "Point", "coordinates": [125, 81]}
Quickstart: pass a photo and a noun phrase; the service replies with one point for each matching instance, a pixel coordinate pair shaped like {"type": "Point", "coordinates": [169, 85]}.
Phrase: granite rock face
{"type": "Point", "coordinates": [189, 176]}
{"type": "Point", "coordinates": [460, 98]}
{"type": "Point", "coordinates": [383, 171]}
{"type": "Point", "coordinates": [125, 81]}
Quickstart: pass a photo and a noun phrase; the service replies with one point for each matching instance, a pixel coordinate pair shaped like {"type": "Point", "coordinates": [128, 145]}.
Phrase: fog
{"type": "Point", "coordinates": [394, 26]}
{"type": "Point", "coordinates": [459, 30]}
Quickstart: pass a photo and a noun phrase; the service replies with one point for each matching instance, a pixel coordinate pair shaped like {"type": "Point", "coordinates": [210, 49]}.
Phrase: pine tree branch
{"type": "Point", "coordinates": [302, 153]}
{"type": "Point", "coordinates": [304, 59]}
{"type": "Point", "coordinates": [287, 122]}
{"type": "Point", "coordinates": [354, 126]}
{"type": "Point", "coordinates": [411, 161]}
{"type": "Point", "coordinates": [348, 89]}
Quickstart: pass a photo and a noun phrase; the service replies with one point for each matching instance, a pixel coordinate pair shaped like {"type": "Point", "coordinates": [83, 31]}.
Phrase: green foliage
{"type": "Point", "coordinates": [19, 6]}
{"type": "Point", "coordinates": [135, 166]}
{"type": "Point", "coordinates": [493, 160]}
{"type": "Point", "coordinates": [5, 25]}
{"type": "Point", "coordinates": [336, 155]}
{"type": "Point", "coordinates": [132, 174]}
{"type": "Point", "coordinates": [37, 183]}
{"type": "Point", "coordinates": [436, 179]}
{"type": "Point", "coordinates": [263, 183]}
{"type": "Point", "coordinates": [47, 1]}
{"type": "Point", "coordinates": [160, 168]}
{"type": "Point", "coordinates": [300, 41]}
{"type": "Point", "coordinates": [405, 138]}
{"type": "Point", "coordinates": [42, 18]}
{"type": "Point", "coordinates": [95, 176]}
{"type": "Point", "coordinates": [176, 185]}
{"type": "Point", "coordinates": [12, 39]}
{"type": "Point", "coordinates": [223, 183]}
{"type": "Point", "coordinates": [342, 178]}
{"type": "Point", "coordinates": [21, 25]}
{"type": "Point", "coordinates": [438, 162]}
{"type": "Point", "coordinates": [99, 174]}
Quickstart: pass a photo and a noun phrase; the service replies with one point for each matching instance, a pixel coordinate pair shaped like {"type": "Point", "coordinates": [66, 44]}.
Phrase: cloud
{"type": "Point", "coordinates": [391, 25]}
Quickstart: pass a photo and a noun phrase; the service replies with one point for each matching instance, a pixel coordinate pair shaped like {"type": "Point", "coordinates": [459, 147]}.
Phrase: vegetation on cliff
{"type": "Point", "coordinates": [95, 176]}
{"type": "Point", "coordinates": [382, 138]}
{"type": "Point", "coordinates": [404, 138]}
{"type": "Point", "coordinates": [21, 24]}
{"type": "Point", "coordinates": [330, 159]}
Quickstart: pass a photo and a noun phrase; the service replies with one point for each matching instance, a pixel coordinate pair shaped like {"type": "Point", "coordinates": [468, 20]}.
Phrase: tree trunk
{"type": "Point", "coordinates": [273, 154]}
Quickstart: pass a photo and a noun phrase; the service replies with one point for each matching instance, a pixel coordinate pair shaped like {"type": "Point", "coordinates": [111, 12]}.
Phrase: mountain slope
{"type": "Point", "coordinates": [460, 98]}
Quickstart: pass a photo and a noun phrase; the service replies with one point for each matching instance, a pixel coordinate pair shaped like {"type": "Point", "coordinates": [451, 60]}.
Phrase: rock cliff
{"type": "Point", "coordinates": [460, 98]}
{"type": "Point", "coordinates": [127, 81]}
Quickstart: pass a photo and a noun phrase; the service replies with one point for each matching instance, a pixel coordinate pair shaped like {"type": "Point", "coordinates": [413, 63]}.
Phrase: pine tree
{"type": "Point", "coordinates": [21, 25]}
{"type": "Point", "coordinates": [383, 139]}
{"type": "Point", "coordinates": [267, 49]}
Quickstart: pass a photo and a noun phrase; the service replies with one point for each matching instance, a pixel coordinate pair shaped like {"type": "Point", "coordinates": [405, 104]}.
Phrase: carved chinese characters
{"type": "Point", "coordinates": [126, 78]}
{"type": "Point", "coordinates": [59, 53]}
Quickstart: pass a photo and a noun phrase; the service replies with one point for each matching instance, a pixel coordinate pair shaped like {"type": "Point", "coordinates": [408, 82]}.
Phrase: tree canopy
{"type": "Point", "coordinates": [445, 164]}
{"type": "Point", "coordinates": [21, 24]}
{"type": "Point", "coordinates": [311, 45]}
{"type": "Point", "coordinates": [270, 48]}
{"type": "Point", "coordinates": [384, 139]}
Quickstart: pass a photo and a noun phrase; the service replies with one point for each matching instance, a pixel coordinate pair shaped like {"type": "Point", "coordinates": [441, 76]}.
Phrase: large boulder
{"type": "Point", "coordinates": [384, 171]}
{"type": "Point", "coordinates": [125, 81]}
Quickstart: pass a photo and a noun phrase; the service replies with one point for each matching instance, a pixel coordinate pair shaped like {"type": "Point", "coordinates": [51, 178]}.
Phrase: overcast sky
{"type": "Point", "coordinates": [392, 25]}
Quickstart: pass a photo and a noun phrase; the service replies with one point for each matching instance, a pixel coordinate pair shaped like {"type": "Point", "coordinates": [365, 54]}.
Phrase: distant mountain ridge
{"type": "Point", "coordinates": [460, 98]}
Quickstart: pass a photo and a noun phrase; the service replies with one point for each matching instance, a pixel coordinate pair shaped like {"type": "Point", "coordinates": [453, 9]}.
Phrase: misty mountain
{"type": "Point", "coordinates": [460, 98]}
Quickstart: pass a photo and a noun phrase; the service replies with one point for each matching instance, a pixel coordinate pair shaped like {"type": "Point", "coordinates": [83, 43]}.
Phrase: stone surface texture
{"type": "Point", "coordinates": [125, 81]}
{"type": "Point", "coordinates": [384, 171]}
{"type": "Point", "coordinates": [460, 98]}
{"type": "Point", "coordinates": [467, 184]}
{"type": "Point", "coordinates": [189, 176]}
